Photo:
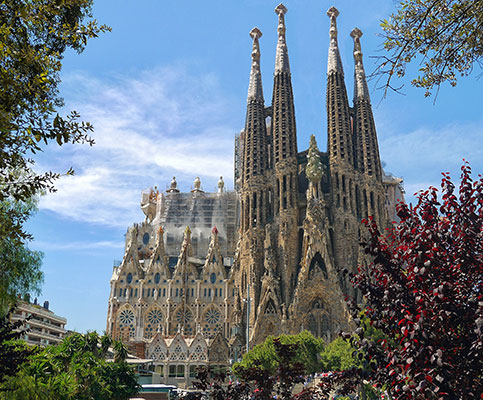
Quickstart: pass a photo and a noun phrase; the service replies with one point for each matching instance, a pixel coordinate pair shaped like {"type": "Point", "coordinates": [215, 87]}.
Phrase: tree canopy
{"type": "Point", "coordinates": [33, 38]}
{"type": "Point", "coordinates": [80, 367]}
{"type": "Point", "coordinates": [423, 292]}
{"type": "Point", "coordinates": [265, 356]}
{"type": "Point", "coordinates": [444, 36]}
{"type": "Point", "coordinates": [20, 272]}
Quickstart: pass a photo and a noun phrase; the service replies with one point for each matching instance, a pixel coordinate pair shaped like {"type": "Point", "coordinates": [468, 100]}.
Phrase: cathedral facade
{"type": "Point", "coordinates": [220, 269]}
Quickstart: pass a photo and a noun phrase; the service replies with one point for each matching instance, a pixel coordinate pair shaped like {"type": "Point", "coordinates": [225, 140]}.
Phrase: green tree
{"type": "Point", "coordinates": [264, 355]}
{"type": "Point", "coordinates": [34, 34]}
{"type": "Point", "coordinates": [338, 355]}
{"type": "Point", "coordinates": [13, 352]}
{"type": "Point", "coordinates": [81, 367]}
{"type": "Point", "coordinates": [445, 37]}
{"type": "Point", "coordinates": [20, 272]}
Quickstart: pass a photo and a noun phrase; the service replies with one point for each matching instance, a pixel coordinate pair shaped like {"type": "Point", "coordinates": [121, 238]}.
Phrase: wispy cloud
{"type": "Point", "coordinates": [421, 155]}
{"type": "Point", "coordinates": [162, 123]}
{"type": "Point", "coordinates": [77, 245]}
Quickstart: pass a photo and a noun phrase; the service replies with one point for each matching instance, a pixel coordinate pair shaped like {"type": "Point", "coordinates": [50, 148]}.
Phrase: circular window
{"type": "Point", "coordinates": [213, 278]}
{"type": "Point", "coordinates": [126, 317]}
{"type": "Point", "coordinates": [212, 316]}
{"type": "Point", "coordinates": [155, 316]}
{"type": "Point", "coordinates": [157, 278]}
{"type": "Point", "coordinates": [146, 238]}
{"type": "Point", "coordinates": [129, 278]}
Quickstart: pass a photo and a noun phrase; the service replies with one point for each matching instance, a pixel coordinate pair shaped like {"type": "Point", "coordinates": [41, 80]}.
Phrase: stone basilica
{"type": "Point", "coordinates": [205, 271]}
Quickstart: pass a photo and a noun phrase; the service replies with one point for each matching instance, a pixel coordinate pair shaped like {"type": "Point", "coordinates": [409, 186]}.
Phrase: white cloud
{"type": "Point", "coordinates": [77, 245]}
{"type": "Point", "coordinates": [421, 155]}
{"type": "Point", "coordinates": [161, 124]}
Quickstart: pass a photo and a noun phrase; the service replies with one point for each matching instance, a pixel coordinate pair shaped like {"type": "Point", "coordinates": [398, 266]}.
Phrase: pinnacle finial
{"type": "Point", "coordinates": [281, 9]}
{"type": "Point", "coordinates": [187, 232]}
{"type": "Point", "coordinates": [281, 56]}
{"type": "Point", "coordinates": [333, 13]}
{"type": "Point", "coordinates": [334, 62]}
{"type": "Point", "coordinates": [356, 34]}
{"type": "Point", "coordinates": [255, 90]}
{"type": "Point", "coordinates": [255, 33]}
{"type": "Point", "coordinates": [361, 90]}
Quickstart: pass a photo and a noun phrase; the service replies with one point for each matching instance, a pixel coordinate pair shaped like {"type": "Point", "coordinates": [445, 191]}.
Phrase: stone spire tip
{"type": "Point", "coordinates": [281, 9]}
{"type": "Point", "coordinates": [356, 33]}
{"type": "Point", "coordinates": [334, 62]}
{"type": "Point", "coordinates": [361, 90]}
{"type": "Point", "coordinates": [333, 12]}
{"type": "Point", "coordinates": [255, 33]}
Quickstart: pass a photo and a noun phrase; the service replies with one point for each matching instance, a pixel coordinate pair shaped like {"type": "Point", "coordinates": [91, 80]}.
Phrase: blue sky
{"type": "Point", "coordinates": [166, 92]}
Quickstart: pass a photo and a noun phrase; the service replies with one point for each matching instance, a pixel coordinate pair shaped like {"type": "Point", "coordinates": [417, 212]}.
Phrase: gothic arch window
{"type": "Point", "coordinates": [211, 321]}
{"type": "Point", "coordinates": [154, 319]}
{"type": "Point", "coordinates": [129, 278]}
{"type": "Point", "coordinates": [126, 323]}
{"type": "Point", "coordinates": [317, 268]}
{"type": "Point", "coordinates": [318, 324]}
{"type": "Point", "coordinates": [157, 278]}
{"type": "Point", "coordinates": [184, 318]}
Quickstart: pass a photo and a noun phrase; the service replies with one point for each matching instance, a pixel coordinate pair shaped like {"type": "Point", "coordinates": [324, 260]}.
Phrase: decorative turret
{"type": "Point", "coordinates": [221, 185]}
{"type": "Point", "coordinates": [173, 187]}
{"type": "Point", "coordinates": [340, 146]}
{"type": "Point", "coordinates": [283, 122]}
{"type": "Point", "coordinates": [197, 186]}
{"type": "Point", "coordinates": [367, 149]}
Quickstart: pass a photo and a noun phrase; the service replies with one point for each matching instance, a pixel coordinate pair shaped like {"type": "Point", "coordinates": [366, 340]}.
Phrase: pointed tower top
{"type": "Point", "coordinates": [361, 91]}
{"type": "Point", "coordinates": [334, 62]}
{"type": "Point", "coordinates": [255, 90]}
{"type": "Point", "coordinates": [187, 232]}
{"type": "Point", "coordinates": [256, 33]}
{"type": "Point", "coordinates": [281, 57]}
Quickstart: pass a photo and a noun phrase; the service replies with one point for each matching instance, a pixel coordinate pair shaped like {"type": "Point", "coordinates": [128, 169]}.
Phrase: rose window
{"type": "Point", "coordinates": [126, 317]}
{"type": "Point", "coordinates": [155, 316]}
{"type": "Point", "coordinates": [212, 316]}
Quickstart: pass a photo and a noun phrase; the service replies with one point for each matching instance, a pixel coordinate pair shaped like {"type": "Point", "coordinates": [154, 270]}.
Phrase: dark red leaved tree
{"type": "Point", "coordinates": [424, 291]}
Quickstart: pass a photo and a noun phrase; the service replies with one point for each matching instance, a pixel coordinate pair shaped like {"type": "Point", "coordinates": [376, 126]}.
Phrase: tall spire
{"type": "Point", "coordinates": [335, 63]}
{"type": "Point", "coordinates": [255, 159]}
{"type": "Point", "coordinates": [340, 144]}
{"type": "Point", "coordinates": [366, 147]}
{"type": "Point", "coordinates": [255, 90]}
{"type": "Point", "coordinates": [283, 112]}
{"type": "Point", "coordinates": [361, 90]}
{"type": "Point", "coordinates": [281, 57]}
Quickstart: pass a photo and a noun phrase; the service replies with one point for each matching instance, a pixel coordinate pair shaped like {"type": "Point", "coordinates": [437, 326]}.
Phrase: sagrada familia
{"type": "Point", "coordinates": [207, 272]}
